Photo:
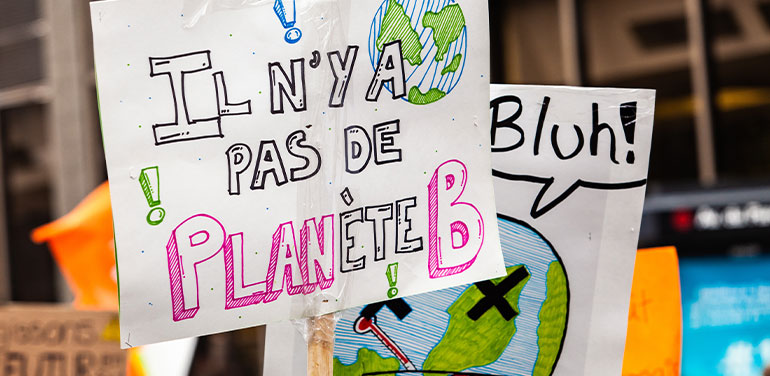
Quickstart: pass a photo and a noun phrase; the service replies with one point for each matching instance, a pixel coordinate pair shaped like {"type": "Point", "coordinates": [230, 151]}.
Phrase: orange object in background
{"type": "Point", "coordinates": [83, 246]}
{"type": "Point", "coordinates": [654, 339]}
{"type": "Point", "coordinates": [135, 366]}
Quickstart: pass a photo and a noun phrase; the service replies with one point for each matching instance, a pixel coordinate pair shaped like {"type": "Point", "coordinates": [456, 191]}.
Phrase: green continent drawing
{"type": "Point", "coordinates": [468, 343]}
{"type": "Point", "coordinates": [434, 42]}
{"type": "Point", "coordinates": [397, 26]}
{"type": "Point", "coordinates": [513, 325]}
{"type": "Point", "coordinates": [417, 97]}
{"type": "Point", "coordinates": [452, 67]}
{"type": "Point", "coordinates": [553, 318]}
{"type": "Point", "coordinates": [368, 361]}
{"type": "Point", "coordinates": [447, 26]}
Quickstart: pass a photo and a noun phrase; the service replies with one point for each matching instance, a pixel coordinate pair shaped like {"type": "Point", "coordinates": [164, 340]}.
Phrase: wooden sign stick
{"type": "Point", "coordinates": [320, 345]}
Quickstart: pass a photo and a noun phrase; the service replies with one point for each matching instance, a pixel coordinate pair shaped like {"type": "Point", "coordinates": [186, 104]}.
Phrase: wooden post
{"type": "Point", "coordinates": [320, 345]}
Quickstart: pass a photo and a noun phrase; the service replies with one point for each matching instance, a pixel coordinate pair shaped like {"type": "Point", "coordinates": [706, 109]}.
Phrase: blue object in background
{"type": "Point", "coordinates": [726, 314]}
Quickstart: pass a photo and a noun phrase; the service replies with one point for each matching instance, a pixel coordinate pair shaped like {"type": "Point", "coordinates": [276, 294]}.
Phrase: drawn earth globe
{"type": "Point", "coordinates": [433, 39]}
{"type": "Point", "coordinates": [440, 337]}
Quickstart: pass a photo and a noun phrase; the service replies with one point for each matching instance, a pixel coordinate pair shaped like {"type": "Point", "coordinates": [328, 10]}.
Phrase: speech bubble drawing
{"type": "Point", "coordinates": [567, 138]}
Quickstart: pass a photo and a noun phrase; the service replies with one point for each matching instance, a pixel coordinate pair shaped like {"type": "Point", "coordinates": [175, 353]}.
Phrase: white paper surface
{"type": "Point", "coordinates": [172, 358]}
{"type": "Point", "coordinates": [263, 170]}
{"type": "Point", "coordinates": [567, 314]}
{"type": "Point", "coordinates": [595, 226]}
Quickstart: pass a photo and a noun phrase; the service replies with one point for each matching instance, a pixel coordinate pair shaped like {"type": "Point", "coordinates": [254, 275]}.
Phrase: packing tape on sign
{"type": "Point", "coordinates": [194, 10]}
{"type": "Point", "coordinates": [323, 126]}
{"type": "Point", "coordinates": [317, 126]}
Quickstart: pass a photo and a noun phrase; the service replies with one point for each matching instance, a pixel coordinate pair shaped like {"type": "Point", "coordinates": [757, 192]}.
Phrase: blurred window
{"type": "Point", "coordinates": [27, 200]}
{"type": "Point", "coordinates": [668, 32]}
{"type": "Point", "coordinates": [17, 12]}
{"type": "Point", "coordinates": [21, 63]}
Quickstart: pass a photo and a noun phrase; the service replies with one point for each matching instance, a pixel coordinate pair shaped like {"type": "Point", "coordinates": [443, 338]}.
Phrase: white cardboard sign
{"type": "Point", "coordinates": [572, 164]}
{"type": "Point", "coordinates": [292, 158]}
{"type": "Point", "coordinates": [571, 168]}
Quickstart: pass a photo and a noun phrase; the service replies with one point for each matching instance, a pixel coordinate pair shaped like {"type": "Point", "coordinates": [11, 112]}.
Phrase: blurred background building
{"type": "Point", "coordinates": [709, 191]}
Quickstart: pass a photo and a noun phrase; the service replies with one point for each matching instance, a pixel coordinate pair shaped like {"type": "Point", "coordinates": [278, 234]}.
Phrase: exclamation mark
{"type": "Point", "coordinates": [287, 14]}
{"type": "Point", "coordinates": [392, 274]}
{"type": "Point", "coordinates": [150, 182]}
{"type": "Point", "coordinates": [628, 118]}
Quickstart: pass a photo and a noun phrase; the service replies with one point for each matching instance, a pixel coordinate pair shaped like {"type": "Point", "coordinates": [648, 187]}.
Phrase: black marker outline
{"type": "Point", "coordinates": [557, 148]}
{"type": "Point", "coordinates": [219, 77]}
{"type": "Point", "coordinates": [547, 182]}
{"type": "Point", "coordinates": [509, 122]}
{"type": "Point", "coordinates": [411, 202]}
{"type": "Point", "coordinates": [315, 61]}
{"type": "Point", "coordinates": [292, 83]}
{"type": "Point", "coordinates": [596, 131]}
{"type": "Point", "coordinates": [494, 295]}
{"type": "Point", "coordinates": [347, 197]}
{"type": "Point", "coordinates": [347, 131]}
{"type": "Point", "coordinates": [177, 137]}
{"type": "Point", "coordinates": [239, 147]}
{"type": "Point", "coordinates": [345, 241]}
{"type": "Point", "coordinates": [259, 180]}
{"type": "Point", "coordinates": [345, 70]}
{"type": "Point", "coordinates": [566, 279]}
{"type": "Point", "coordinates": [382, 132]}
{"type": "Point", "coordinates": [371, 96]}
{"type": "Point", "coordinates": [298, 137]}
{"type": "Point", "coordinates": [379, 255]}
{"type": "Point", "coordinates": [398, 306]}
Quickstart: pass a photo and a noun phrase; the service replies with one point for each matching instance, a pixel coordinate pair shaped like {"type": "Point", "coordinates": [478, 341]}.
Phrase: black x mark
{"type": "Point", "coordinates": [494, 296]}
{"type": "Point", "coordinates": [398, 306]}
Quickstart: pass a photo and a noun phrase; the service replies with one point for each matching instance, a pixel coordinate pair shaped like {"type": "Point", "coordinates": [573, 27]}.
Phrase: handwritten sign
{"type": "Point", "coordinates": [573, 164]}
{"type": "Point", "coordinates": [562, 307]}
{"type": "Point", "coordinates": [654, 340]}
{"type": "Point", "coordinates": [275, 162]}
{"type": "Point", "coordinates": [54, 340]}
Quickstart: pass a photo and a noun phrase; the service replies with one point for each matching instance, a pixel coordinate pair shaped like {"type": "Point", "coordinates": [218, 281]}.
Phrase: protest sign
{"type": "Point", "coordinates": [275, 161]}
{"type": "Point", "coordinates": [47, 340]}
{"type": "Point", "coordinates": [572, 163]}
{"type": "Point", "coordinates": [654, 338]}
{"type": "Point", "coordinates": [569, 210]}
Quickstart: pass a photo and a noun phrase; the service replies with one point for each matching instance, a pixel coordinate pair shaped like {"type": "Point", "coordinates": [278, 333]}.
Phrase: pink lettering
{"type": "Point", "coordinates": [285, 269]}
{"type": "Point", "coordinates": [205, 236]}
{"type": "Point", "coordinates": [199, 239]}
{"type": "Point", "coordinates": [319, 252]}
{"type": "Point", "coordinates": [455, 222]}
{"type": "Point", "coordinates": [234, 294]}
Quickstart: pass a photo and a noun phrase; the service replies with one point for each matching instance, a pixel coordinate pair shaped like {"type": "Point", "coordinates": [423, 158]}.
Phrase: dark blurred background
{"type": "Point", "coordinates": [709, 191]}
